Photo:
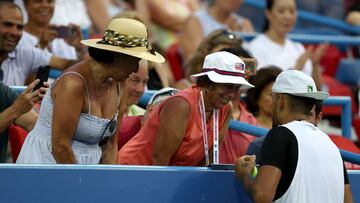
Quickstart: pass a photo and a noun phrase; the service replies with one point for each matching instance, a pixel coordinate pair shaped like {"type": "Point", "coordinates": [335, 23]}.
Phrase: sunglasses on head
{"type": "Point", "coordinates": [228, 34]}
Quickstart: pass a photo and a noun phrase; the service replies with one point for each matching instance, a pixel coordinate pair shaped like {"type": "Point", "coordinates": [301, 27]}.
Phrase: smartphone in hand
{"type": "Point", "coordinates": [43, 75]}
{"type": "Point", "coordinates": [65, 32]}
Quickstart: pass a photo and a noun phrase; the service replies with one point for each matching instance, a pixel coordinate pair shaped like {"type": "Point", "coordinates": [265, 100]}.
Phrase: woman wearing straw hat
{"type": "Point", "coordinates": [80, 112]}
{"type": "Point", "coordinates": [187, 128]}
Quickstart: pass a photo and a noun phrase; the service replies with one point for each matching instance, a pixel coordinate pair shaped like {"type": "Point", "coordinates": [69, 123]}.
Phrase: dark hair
{"type": "Point", "coordinates": [318, 107]}
{"type": "Point", "coordinates": [204, 81]}
{"type": "Point", "coordinates": [105, 56]}
{"type": "Point", "coordinates": [238, 51]}
{"type": "Point", "coordinates": [269, 5]}
{"type": "Point", "coordinates": [262, 78]}
{"type": "Point", "coordinates": [301, 105]}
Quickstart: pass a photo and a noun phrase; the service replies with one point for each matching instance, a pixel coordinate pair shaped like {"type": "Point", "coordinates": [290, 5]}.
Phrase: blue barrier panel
{"type": "Point", "coordinates": [71, 183]}
{"type": "Point", "coordinates": [312, 39]}
{"type": "Point", "coordinates": [314, 18]}
{"type": "Point", "coordinates": [354, 178]}
{"type": "Point", "coordinates": [105, 183]}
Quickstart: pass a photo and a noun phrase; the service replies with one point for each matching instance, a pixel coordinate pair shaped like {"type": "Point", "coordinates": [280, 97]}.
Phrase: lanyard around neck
{"type": "Point", "coordinates": [204, 132]}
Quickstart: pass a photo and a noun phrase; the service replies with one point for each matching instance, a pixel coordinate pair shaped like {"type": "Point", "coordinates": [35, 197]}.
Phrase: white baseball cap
{"type": "Point", "coordinates": [297, 83]}
{"type": "Point", "coordinates": [224, 67]}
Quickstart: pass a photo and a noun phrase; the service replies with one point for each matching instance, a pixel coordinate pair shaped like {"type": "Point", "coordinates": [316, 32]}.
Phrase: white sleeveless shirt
{"type": "Point", "coordinates": [319, 175]}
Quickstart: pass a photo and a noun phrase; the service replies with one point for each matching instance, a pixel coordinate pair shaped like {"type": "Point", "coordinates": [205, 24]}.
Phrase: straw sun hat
{"type": "Point", "coordinates": [126, 36]}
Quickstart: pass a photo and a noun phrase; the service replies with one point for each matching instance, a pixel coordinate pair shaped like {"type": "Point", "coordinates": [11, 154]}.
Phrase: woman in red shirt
{"type": "Point", "coordinates": [187, 128]}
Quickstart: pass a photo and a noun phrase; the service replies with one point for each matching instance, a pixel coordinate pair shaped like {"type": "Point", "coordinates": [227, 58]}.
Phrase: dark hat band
{"type": "Point", "coordinates": [224, 72]}
{"type": "Point", "coordinates": [116, 39]}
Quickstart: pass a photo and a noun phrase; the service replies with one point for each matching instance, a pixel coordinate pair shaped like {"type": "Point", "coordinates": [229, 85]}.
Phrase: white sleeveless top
{"type": "Point", "coordinates": [319, 175]}
{"type": "Point", "coordinates": [37, 148]}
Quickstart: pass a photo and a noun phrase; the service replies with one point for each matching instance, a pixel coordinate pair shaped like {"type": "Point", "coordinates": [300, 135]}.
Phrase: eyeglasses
{"type": "Point", "coordinates": [111, 126]}
{"type": "Point", "coordinates": [1, 75]}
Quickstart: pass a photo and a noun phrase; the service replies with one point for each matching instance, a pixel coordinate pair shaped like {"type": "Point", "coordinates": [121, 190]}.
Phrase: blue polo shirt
{"type": "Point", "coordinates": [21, 63]}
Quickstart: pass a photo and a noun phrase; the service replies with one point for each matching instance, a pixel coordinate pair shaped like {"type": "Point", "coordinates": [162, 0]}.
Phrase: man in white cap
{"type": "Point", "coordinates": [299, 162]}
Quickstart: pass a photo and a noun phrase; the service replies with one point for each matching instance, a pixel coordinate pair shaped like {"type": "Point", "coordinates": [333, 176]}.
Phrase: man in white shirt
{"type": "Point", "coordinates": [17, 62]}
{"type": "Point", "coordinates": [299, 162]}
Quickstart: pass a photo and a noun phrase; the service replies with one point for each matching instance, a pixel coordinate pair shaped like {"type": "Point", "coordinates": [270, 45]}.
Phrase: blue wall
{"type": "Point", "coordinates": [73, 183]}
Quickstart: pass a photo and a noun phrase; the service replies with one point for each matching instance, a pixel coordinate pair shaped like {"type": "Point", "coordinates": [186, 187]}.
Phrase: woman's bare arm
{"type": "Point", "coordinates": [174, 117]}
{"type": "Point", "coordinates": [67, 108]}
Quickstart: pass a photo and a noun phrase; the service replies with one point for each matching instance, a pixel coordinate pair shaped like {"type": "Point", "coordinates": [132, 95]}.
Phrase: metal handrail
{"type": "Point", "coordinates": [312, 39]}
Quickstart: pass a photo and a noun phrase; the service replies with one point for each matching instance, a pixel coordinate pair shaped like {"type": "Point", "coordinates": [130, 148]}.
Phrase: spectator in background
{"type": "Point", "coordinates": [16, 109]}
{"type": "Point", "coordinates": [174, 133]}
{"type": "Point", "coordinates": [297, 157]}
{"type": "Point", "coordinates": [215, 41]}
{"type": "Point", "coordinates": [74, 12]}
{"type": "Point", "coordinates": [274, 48]}
{"type": "Point", "coordinates": [169, 18]}
{"type": "Point", "coordinates": [353, 18]}
{"type": "Point", "coordinates": [258, 99]}
{"type": "Point", "coordinates": [135, 86]}
{"type": "Point", "coordinates": [235, 143]}
{"type": "Point", "coordinates": [18, 62]}
{"type": "Point", "coordinates": [219, 14]}
{"type": "Point", "coordinates": [38, 32]}
{"type": "Point", "coordinates": [80, 112]}
{"type": "Point", "coordinates": [138, 6]}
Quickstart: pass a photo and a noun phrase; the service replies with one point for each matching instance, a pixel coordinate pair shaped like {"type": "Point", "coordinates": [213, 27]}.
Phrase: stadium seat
{"type": "Point", "coordinates": [335, 88]}
{"type": "Point", "coordinates": [174, 58]}
{"type": "Point", "coordinates": [345, 144]}
{"type": "Point", "coordinates": [330, 60]}
{"type": "Point", "coordinates": [348, 71]}
{"type": "Point", "coordinates": [17, 137]}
